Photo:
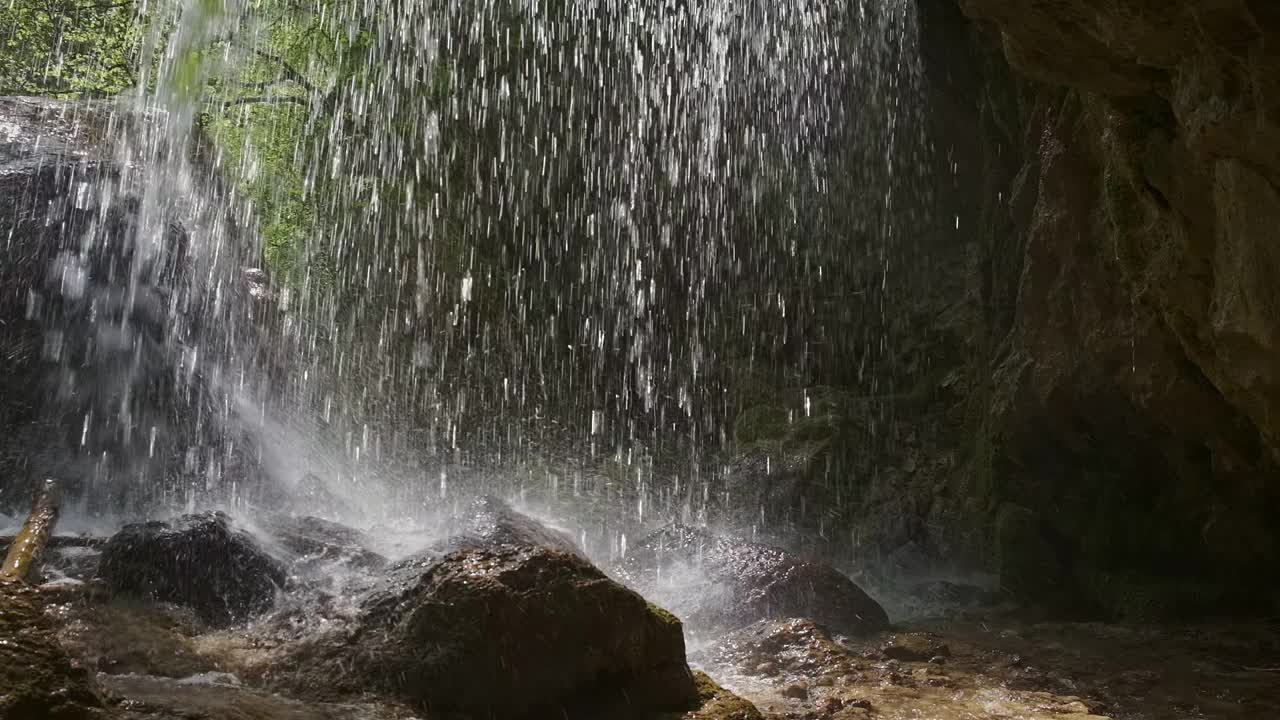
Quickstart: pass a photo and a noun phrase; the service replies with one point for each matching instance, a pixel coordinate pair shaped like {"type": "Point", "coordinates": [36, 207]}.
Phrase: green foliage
{"type": "Point", "coordinates": [67, 48]}
{"type": "Point", "coordinates": [257, 143]}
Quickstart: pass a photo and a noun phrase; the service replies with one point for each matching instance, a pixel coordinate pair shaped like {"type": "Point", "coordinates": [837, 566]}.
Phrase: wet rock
{"type": "Point", "coordinates": [76, 340]}
{"type": "Point", "coordinates": [312, 542]}
{"type": "Point", "coordinates": [1134, 401]}
{"type": "Point", "coordinates": [132, 638]}
{"type": "Point", "coordinates": [197, 561]}
{"type": "Point", "coordinates": [946, 593]}
{"type": "Point", "coordinates": [1031, 567]}
{"type": "Point", "coordinates": [218, 696]}
{"type": "Point", "coordinates": [771, 648]}
{"type": "Point", "coordinates": [717, 583]}
{"type": "Point", "coordinates": [490, 522]}
{"type": "Point", "coordinates": [496, 623]}
{"type": "Point", "coordinates": [796, 691]}
{"type": "Point", "coordinates": [37, 679]}
{"type": "Point", "coordinates": [312, 496]}
{"type": "Point", "coordinates": [716, 703]}
{"type": "Point", "coordinates": [915, 647]}
{"type": "Point", "coordinates": [506, 630]}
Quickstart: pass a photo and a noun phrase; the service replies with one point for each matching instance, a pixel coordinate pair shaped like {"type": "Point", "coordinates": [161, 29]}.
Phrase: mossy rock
{"type": "Point", "coordinates": [714, 703]}
{"type": "Point", "coordinates": [720, 704]}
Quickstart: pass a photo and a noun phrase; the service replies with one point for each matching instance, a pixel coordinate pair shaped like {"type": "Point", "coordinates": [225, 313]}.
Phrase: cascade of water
{"type": "Point", "coordinates": [577, 229]}
{"type": "Point", "coordinates": [145, 308]}
{"type": "Point", "coordinates": [571, 239]}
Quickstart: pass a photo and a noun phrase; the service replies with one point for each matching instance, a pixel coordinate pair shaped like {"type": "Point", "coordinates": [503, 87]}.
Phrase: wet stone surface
{"type": "Point", "coordinates": [316, 653]}
{"type": "Point", "coordinates": [1004, 669]}
{"type": "Point", "coordinates": [198, 561]}
{"type": "Point", "coordinates": [37, 677]}
{"type": "Point", "coordinates": [515, 624]}
{"type": "Point", "coordinates": [719, 584]}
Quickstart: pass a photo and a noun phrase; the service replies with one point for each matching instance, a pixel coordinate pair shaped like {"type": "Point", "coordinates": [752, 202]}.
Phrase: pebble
{"type": "Point", "coordinates": [767, 669]}
{"type": "Point", "coordinates": [796, 691]}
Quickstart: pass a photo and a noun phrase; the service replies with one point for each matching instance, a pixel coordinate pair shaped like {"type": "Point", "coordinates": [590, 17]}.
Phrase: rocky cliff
{"type": "Point", "coordinates": [1126, 415]}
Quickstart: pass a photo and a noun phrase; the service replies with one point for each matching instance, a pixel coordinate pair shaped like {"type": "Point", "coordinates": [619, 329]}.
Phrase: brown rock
{"type": "Point", "coordinates": [914, 647]}
{"type": "Point", "coordinates": [796, 691]}
{"type": "Point", "coordinates": [511, 630]}
{"type": "Point", "coordinates": [797, 647]}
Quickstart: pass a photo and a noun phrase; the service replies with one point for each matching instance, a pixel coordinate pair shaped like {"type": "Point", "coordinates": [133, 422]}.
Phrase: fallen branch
{"type": "Point", "coordinates": [27, 546]}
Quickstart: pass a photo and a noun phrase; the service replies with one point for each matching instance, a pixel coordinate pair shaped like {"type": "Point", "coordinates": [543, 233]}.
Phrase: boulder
{"type": "Point", "coordinates": [717, 583]}
{"type": "Point", "coordinates": [198, 561]}
{"type": "Point", "coordinates": [505, 631]}
{"type": "Point", "coordinates": [781, 648]}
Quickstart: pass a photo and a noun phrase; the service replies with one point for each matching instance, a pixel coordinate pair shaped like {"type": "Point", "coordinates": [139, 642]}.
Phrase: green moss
{"type": "Point", "coordinates": [664, 616]}
{"type": "Point", "coordinates": [718, 703]}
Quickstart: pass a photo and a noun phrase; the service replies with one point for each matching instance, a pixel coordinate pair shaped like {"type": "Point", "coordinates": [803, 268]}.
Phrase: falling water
{"type": "Point", "coordinates": [149, 313]}
{"type": "Point", "coordinates": [556, 246]}
{"type": "Point", "coordinates": [568, 233]}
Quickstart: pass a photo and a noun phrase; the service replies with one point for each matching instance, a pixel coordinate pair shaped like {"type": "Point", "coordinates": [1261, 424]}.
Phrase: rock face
{"type": "Point", "coordinates": [723, 583]}
{"type": "Point", "coordinates": [97, 381]}
{"type": "Point", "coordinates": [197, 561]}
{"type": "Point", "coordinates": [505, 621]}
{"type": "Point", "coordinates": [1127, 440]}
{"type": "Point", "coordinates": [1109, 414]}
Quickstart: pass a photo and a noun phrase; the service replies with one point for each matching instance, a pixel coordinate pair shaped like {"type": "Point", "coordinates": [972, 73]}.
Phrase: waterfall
{"type": "Point", "coordinates": [563, 241]}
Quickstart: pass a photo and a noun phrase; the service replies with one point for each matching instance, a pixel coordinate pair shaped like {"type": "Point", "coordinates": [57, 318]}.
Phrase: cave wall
{"type": "Point", "coordinates": [1122, 459]}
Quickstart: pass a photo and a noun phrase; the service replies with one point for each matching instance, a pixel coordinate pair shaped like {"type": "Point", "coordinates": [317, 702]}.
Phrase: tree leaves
{"type": "Point", "coordinates": [67, 48]}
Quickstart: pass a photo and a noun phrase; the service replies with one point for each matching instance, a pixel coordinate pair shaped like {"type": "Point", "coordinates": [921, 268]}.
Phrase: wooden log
{"type": "Point", "coordinates": [24, 553]}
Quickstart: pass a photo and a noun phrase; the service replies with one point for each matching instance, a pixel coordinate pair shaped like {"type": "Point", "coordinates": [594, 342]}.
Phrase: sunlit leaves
{"type": "Point", "coordinates": [67, 47]}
